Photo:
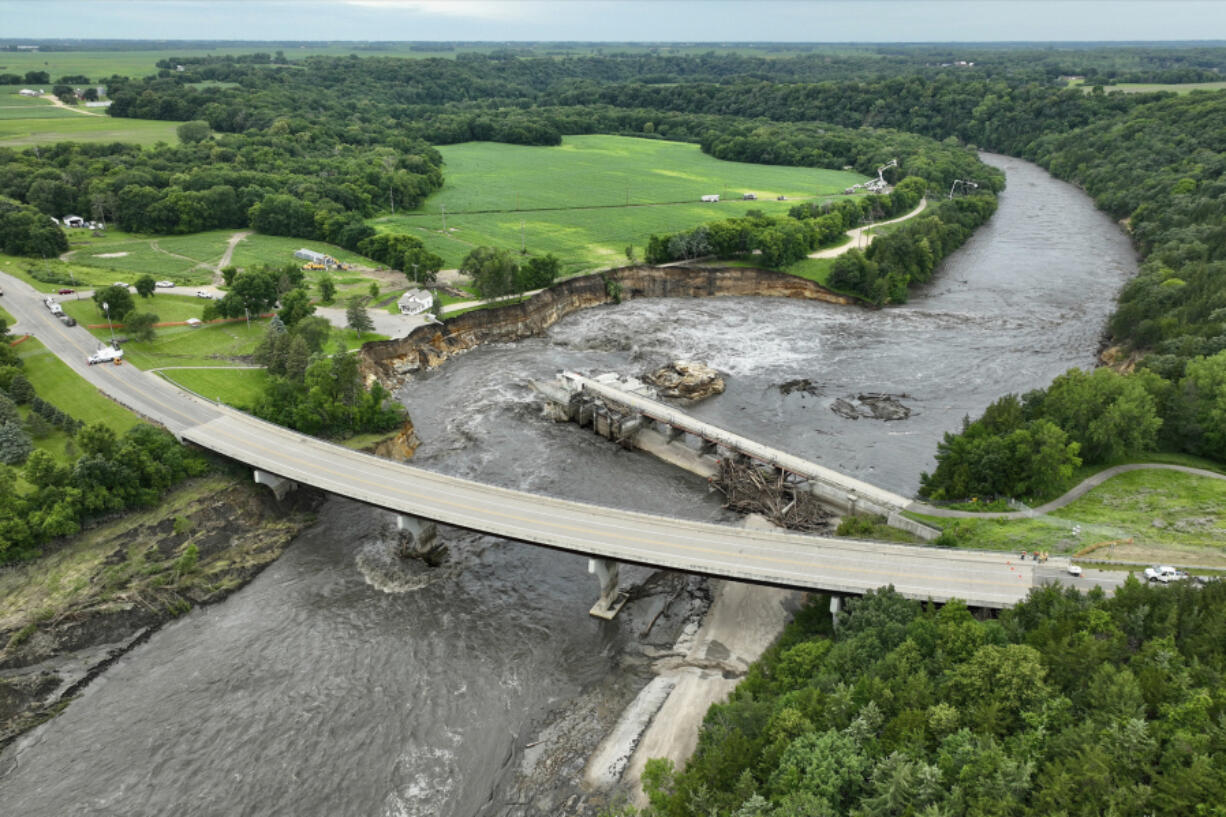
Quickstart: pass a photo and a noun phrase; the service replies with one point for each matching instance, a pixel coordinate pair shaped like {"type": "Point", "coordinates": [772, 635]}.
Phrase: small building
{"type": "Point", "coordinates": [74, 221]}
{"type": "Point", "coordinates": [312, 257]}
{"type": "Point", "coordinates": [711, 198]}
{"type": "Point", "coordinates": [415, 301]}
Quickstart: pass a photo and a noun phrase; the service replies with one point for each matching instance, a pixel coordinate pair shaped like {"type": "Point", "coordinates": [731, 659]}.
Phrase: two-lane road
{"type": "Point", "coordinates": [985, 579]}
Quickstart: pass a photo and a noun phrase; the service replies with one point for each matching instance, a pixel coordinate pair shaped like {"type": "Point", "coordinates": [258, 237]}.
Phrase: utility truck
{"type": "Point", "coordinates": [106, 354]}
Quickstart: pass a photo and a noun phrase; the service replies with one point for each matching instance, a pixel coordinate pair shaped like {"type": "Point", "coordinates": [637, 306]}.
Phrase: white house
{"type": "Point", "coordinates": [415, 302]}
{"type": "Point", "coordinates": [74, 221]}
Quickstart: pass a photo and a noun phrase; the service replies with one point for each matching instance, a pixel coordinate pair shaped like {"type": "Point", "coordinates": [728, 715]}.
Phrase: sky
{"type": "Point", "coordinates": [619, 20]}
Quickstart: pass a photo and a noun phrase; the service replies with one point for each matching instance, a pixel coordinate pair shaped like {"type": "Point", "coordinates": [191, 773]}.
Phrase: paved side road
{"type": "Point", "coordinates": [1073, 495]}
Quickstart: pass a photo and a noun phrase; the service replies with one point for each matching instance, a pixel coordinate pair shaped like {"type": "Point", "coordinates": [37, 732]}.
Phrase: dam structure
{"type": "Point", "coordinates": [626, 411]}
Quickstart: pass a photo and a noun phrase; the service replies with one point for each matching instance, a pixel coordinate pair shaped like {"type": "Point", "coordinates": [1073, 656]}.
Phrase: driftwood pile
{"type": "Point", "coordinates": [750, 488]}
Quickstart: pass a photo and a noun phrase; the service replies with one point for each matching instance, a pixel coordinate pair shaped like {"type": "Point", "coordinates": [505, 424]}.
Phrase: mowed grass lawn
{"type": "Point", "coordinates": [184, 259]}
{"type": "Point", "coordinates": [77, 128]}
{"type": "Point", "coordinates": [1168, 515]}
{"type": "Point", "coordinates": [236, 387]}
{"type": "Point", "coordinates": [589, 198]}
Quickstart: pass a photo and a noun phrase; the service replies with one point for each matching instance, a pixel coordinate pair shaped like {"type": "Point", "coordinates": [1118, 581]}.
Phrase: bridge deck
{"type": "Point", "coordinates": [809, 562]}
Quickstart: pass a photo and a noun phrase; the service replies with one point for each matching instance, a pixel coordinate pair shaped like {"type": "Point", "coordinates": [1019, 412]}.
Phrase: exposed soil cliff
{"type": "Point", "coordinates": [394, 361]}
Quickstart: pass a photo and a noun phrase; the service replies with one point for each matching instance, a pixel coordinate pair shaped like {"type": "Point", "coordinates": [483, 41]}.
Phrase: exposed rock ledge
{"type": "Point", "coordinates": [395, 361]}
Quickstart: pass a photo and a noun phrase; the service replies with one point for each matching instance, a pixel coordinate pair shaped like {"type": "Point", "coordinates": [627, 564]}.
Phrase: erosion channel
{"type": "Point", "coordinates": [342, 681]}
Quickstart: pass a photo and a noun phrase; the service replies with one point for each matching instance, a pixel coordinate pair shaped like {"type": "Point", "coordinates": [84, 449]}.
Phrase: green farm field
{"type": "Point", "coordinates": [586, 200]}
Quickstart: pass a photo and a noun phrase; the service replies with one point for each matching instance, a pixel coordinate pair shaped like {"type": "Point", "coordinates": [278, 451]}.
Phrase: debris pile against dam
{"type": "Point", "coordinates": [392, 362]}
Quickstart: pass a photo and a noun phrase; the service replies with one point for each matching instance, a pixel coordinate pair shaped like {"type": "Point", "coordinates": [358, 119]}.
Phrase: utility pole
{"type": "Point", "coordinates": [392, 199]}
{"type": "Point", "coordinates": [523, 239]}
{"type": "Point", "coordinates": [444, 218]}
{"type": "Point", "coordinates": [107, 308]}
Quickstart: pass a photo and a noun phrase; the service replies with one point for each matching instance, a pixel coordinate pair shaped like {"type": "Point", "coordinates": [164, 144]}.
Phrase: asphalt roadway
{"type": "Point", "coordinates": [986, 579]}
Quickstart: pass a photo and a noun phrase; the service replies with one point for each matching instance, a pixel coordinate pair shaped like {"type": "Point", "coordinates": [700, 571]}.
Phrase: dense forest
{"type": "Point", "coordinates": [1068, 704]}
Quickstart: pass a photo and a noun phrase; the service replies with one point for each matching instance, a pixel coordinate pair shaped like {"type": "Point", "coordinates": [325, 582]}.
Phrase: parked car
{"type": "Point", "coordinates": [66, 291]}
{"type": "Point", "coordinates": [165, 284]}
{"type": "Point", "coordinates": [68, 320]}
{"type": "Point", "coordinates": [120, 284]}
{"type": "Point", "coordinates": [200, 293]}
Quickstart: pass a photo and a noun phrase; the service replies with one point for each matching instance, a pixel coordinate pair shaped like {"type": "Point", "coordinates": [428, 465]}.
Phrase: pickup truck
{"type": "Point", "coordinates": [1164, 574]}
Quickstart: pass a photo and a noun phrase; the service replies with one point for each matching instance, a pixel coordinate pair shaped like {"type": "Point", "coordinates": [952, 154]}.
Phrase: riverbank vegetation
{"type": "Point", "coordinates": [1066, 704]}
{"type": "Point", "coordinates": [1137, 517]}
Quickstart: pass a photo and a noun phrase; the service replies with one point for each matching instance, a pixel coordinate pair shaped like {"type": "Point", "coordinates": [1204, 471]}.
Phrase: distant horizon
{"type": "Point", "coordinates": [702, 22]}
{"type": "Point", "coordinates": [729, 43]}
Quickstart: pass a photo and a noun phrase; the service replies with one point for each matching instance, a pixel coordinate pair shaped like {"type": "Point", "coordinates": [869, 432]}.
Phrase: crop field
{"type": "Point", "coordinates": [586, 200]}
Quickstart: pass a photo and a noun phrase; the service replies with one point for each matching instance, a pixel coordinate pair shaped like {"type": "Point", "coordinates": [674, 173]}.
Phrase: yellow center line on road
{"type": "Point", "coordinates": [590, 532]}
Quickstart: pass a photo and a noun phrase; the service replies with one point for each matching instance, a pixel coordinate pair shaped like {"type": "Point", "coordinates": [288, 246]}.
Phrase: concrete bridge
{"type": "Point", "coordinates": [606, 535]}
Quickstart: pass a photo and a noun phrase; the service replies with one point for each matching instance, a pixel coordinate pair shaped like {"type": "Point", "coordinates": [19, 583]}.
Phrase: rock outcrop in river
{"type": "Point", "coordinates": [686, 380]}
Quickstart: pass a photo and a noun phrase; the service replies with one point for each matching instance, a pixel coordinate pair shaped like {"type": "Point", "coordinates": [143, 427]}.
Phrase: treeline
{"type": "Point", "coordinates": [884, 273]}
{"type": "Point", "coordinates": [286, 181]}
{"type": "Point", "coordinates": [779, 242]}
{"type": "Point", "coordinates": [26, 231]}
{"type": "Point", "coordinates": [1029, 446]}
{"type": "Point", "coordinates": [314, 391]}
{"type": "Point", "coordinates": [1069, 704]}
{"type": "Point", "coordinates": [108, 472]}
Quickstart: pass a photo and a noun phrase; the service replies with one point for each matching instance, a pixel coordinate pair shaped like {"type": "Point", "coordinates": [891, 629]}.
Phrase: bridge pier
{"type": "Point", "coordinates": [675, 433]}
{"type": "Point", "coordinates": [708, 447]}
{"type": "Point", "coordinates": [611, 600]}
{"type": "Point", "coordinates": [416, 535]}
{"type": "Point", "coordinates": [280, 485]}
{"type": "Point", "coordinates": [836, 607]}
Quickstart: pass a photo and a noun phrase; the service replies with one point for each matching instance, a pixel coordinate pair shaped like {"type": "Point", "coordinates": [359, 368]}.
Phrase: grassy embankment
{"type": "Point", "coordinates": [1170, 516]}
{"type": "Point", "coordinates": [590, 198]}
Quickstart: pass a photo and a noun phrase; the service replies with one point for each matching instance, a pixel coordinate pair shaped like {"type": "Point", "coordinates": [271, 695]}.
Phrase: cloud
{"type": "Point", "coordinates": [471, 9]}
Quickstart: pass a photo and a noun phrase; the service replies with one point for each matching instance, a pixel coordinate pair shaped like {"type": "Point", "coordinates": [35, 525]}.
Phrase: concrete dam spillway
{"type": "Point", "coordinates": [342, 682]}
